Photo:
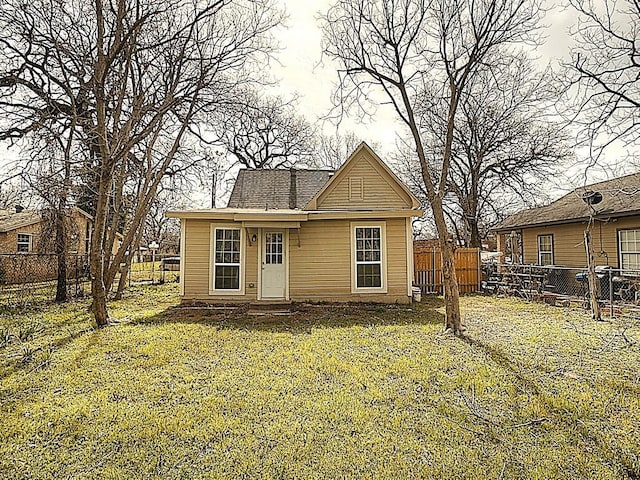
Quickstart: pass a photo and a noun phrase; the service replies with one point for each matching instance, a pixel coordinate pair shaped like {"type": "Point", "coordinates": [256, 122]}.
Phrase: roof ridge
{"type": "Point", "coordinates": [580, 190]}
{"type": "Point", "coordinates": [606, 181]}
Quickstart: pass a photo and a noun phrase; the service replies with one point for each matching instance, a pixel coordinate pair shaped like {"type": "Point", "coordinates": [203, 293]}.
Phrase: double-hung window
{"type": "Point", "coordinates": [545, 249]}
{"type": "Point", "coordinates": [226, 259]}
{"type": "Point", "coordinates": [24, 242]}
{"type": "Point", "coordinates": [629, 248]}
{"type": "Point", "coordinates": [368, 250]}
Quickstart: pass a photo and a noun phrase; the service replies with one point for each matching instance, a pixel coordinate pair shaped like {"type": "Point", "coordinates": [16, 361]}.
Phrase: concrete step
{"type": "Point", "coordinates": [270, 307]}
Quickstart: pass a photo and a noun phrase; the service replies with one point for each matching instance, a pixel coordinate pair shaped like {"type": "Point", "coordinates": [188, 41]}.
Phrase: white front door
{"type": "Point", "coordinates": [273, 264]}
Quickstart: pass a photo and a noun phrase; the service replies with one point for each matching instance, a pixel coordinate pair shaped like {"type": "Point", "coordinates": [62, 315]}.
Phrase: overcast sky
{"type": "Point", "coordinates": [301, 70]}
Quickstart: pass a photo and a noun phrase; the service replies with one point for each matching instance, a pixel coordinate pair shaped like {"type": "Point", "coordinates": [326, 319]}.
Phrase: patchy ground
{"type": "Point", "coordinates": [350, 392]}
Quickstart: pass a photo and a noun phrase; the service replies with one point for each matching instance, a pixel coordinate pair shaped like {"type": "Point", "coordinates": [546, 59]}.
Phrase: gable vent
{"type": "Point", "coordinates": [356, 188]}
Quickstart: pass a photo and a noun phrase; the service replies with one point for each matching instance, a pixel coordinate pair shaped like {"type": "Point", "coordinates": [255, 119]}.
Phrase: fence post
{"type": "Point", "coordinates": [479, 260]}
{"type": "Point", "coordinates": [76, 274]}
{"type": "Point", "coordinates": [610, 293]}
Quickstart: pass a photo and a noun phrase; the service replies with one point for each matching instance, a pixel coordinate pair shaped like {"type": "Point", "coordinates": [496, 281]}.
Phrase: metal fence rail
{"type": "Point", "coordinates": [617, 289]}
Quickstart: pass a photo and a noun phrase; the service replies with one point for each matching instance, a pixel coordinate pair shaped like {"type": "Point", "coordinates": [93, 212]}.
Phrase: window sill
{"type": "Point", "coordinates": [229, 293]}
{"type": "Point", "coordinates": [369, 290]}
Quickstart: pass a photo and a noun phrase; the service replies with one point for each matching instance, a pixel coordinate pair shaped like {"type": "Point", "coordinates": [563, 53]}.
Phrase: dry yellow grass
{"type": "Point", "coordinates": [354, 392]}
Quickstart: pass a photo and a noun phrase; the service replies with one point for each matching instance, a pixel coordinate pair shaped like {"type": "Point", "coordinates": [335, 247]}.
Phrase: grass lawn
{"type": "Point", "coordinates": [342, 392]}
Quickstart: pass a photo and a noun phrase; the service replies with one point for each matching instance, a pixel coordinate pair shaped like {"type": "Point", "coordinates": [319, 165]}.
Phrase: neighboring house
{"type": "Point", "coordinates": [554, 234]}
{"type": "Point", "coordinates": [26, 231]}
{"type": "Point", "coordinates": [303, 235]}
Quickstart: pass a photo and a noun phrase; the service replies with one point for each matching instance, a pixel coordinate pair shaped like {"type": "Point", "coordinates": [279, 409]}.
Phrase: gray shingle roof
{"type": "Point", "coordinates": [277, 189]}
{"type": "Point", "coordinates": [620, 197]}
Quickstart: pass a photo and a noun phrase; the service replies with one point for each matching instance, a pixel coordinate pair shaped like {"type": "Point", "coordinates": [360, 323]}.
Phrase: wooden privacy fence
{"type": "Point", "coordinates": [427, 267]}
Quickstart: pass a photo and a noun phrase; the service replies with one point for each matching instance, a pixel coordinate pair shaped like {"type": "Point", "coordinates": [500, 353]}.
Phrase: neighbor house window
{"type": "Point", "coordinates": [629, 248]}
{"type": "Point", "coordinates": [545, 249]}
{"type": "Point", "coordinates": [24, 242]}
{"type": "Point", "coordinates": [368, 255]}
{"type": "Point", "coordinates": [227, 259]}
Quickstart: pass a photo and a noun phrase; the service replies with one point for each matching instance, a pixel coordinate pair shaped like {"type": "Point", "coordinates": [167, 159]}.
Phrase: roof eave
{"type": "Point", "coordinates": [26, 223]}
{"type": "Point", "coordinates": [564, 221]}
{"type": "Point", "coordinates": [284, 216]}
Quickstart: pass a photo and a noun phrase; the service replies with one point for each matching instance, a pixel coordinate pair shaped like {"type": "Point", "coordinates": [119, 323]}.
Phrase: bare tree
{"type": "Point", "coordinates": [12, 194]}
{"type": "Point", "coordinates": [506, 141]}
{"type": "Point", "coordinates": [333, 150]}
{"type": "Point", "coordinates": [264, 131]}
{"type": "Point", "coordinates": [159, 228]}
{"type": "Point", "coordinates": [399, 47]}
{"type": "Point", "coordinates": [133, 79]}
{"type": "Point", "coordinates": [45, 169]}
{"type": "Point", "coordinates": [605, 72]}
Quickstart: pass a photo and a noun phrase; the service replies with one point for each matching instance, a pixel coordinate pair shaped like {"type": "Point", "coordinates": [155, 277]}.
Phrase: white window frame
{"type": "Point", "coordinates": [545, 252]}
{"type": "Point", "coordinates": [620, 252]}
{"type": "Point", "coordinates": [213, 264]}
{"type": "Point", "coordinates": [383, 258]}
{"type": "Point", "coordinates": [30, 244]}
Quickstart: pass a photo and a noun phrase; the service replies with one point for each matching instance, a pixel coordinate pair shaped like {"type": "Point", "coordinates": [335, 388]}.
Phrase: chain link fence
{"type": "Point", "coordinates": [155, 269]}
{"type": "Point", "coordinates": [617, 289]}
{"type": "Point", "coordinates": [27, 279]}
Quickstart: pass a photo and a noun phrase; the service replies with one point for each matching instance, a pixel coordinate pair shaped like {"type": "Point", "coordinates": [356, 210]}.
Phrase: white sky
{"type": "Point", "coordinates": [303, 70]}
{"type": "Point", "coordinates": [300, 70]}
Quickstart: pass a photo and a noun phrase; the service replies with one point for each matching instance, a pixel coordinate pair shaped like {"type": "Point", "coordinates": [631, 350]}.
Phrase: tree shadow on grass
{"type": "Point", "coordinates": [304, 317]}
{"type": "Point", "coordinates": [561, 417]}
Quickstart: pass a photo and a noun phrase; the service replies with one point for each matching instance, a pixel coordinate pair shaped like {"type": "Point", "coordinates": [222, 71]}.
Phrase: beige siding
{"type": "Point", "coordinates": [568, 242]}
{"type": "Point", "coordinates": [364, 186]}
{"type": "Point", "coordinates": [319, 268]}
{"type": "Point", "coordinates": [196, 257]}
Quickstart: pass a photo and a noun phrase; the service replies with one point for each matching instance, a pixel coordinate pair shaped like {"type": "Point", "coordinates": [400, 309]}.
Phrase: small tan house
{"type": "Point", "coordinates": [303, 235]}
{"type": "Point", "coordinates": [26, 231]}
{"type": "Point", "coordinates": [554, 234]}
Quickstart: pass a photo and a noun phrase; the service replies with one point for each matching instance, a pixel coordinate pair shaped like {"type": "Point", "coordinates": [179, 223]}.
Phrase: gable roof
{"type": "Point", "coordinates": [397, 184]}
{"type": "Point", "coordinates": [10, 220]}
{"type": "Point", "coordinates": [277, 189]}
{"type": "Point", "coordinates": [620, 197]}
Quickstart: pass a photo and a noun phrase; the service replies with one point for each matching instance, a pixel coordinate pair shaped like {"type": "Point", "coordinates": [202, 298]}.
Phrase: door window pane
{"type": "Point", "coordinates": [273, 248]}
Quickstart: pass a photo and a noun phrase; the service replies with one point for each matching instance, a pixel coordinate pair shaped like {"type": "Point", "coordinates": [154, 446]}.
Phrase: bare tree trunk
{"type": "Point", "coordinates": [96, 263]}
{"type": "Point", "coordinates": [591, 275]}
{"type": "Point", "coordinates": [475, 240]}
{"type": "Point", "coordinates": [61, 252]}
{"type": "Point", "coordinates": [62, 235]}
{"type": "Point", "coordinates": [122, 283]}
{"type": "Point", "coordinates": [453, 320]}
